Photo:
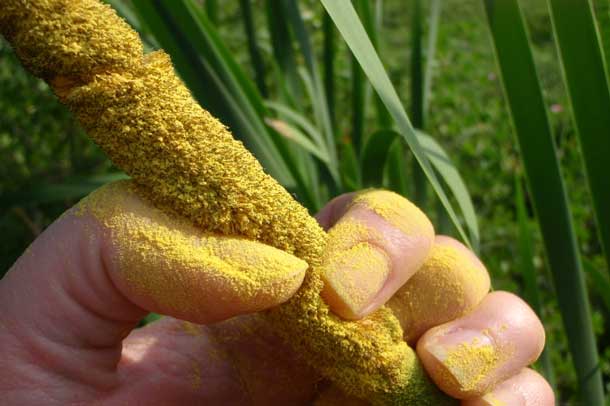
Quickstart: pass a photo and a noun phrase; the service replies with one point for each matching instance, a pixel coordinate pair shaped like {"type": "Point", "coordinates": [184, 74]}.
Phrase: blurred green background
{"type": "Point", "coordinates": [47, 163]}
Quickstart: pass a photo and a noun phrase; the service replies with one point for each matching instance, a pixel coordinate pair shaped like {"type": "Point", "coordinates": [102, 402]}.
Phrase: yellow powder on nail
{"type": "Point", "coordinates": [468, 365]}
{"type": "Point", "coordinates": [396, 210]}
{"type": "Point", "coordinates": [449, 285]}
{"type": "Point", "coordinates": [354, 276]}
{"type": "Point", "coordinates": [186, 162]}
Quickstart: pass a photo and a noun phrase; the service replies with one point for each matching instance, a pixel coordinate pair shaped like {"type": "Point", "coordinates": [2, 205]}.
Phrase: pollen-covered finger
{"type": "Point", "coordinates": [527, 388]}
{"type": "Point", "coordinates": [372, 250]}
{"type": "Point", "coordinates": [165, 264]}
{"type": "Point", "coordinates": [450, 284]}
{"type": "Point", "coordinates": [469, 356]}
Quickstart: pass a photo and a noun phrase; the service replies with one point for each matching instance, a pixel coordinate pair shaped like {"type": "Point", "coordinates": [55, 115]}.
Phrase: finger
{"type": "Point", "coordinates": [527, 388]}
{"type": "Point", "coordinates": [380, 241]}
{"type": "Point", "coordinates": [334, 210]}
{"type": "Point", "coordinates": [469, 356]}
{"type": "Point", "coordinates": [165, 264]}
{"type": "Point", "coordinates": [236, 362]}
{"type": "Point", "coordinates": [450, 284]}
{"type": "Point", "coordinates": [88, 279]}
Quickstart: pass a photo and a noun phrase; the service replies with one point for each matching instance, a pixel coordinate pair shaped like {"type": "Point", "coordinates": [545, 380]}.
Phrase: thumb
{"type": "Point", "coordinates": [99, 268]}
{"type": "Point", "coordinates": [165, 264]}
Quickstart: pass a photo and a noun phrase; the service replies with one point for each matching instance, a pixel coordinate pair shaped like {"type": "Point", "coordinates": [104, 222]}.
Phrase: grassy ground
{"type": "Point", "coordinates": [40, 144]}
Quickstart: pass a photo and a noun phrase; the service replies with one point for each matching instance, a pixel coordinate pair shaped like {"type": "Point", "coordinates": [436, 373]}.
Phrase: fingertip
{"type": "Point", "coordinates": [469, 356]}
{"type": "Point", "coordinates": [334, 210]}
{"type": "Point", "coordinates": [527, 388]}
{"type": "Point", "coordinates": [166, 265]}
{"type": "Point", "coordinates": [372, 250]}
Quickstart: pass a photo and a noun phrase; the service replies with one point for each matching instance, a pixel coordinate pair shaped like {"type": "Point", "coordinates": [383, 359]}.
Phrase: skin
{"type": "Point", "coordinates": [68, 319]}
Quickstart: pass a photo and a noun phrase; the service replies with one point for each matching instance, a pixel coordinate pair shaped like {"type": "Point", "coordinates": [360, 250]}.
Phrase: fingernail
{"type": "Point", "coordinates": [396, 210]}
{"type": "Point", "coordinates": [353, 277]}
{"type": "Point", "coordinates": [468, 356]}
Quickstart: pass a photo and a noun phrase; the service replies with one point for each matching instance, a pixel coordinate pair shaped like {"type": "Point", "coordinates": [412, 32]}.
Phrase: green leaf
{"type": "Point", "coordinates": [525, 264]}
{"type": "Point", "coordinates": [298, 119]}
{"type": "Point", "coordinates": [538, 153]}
{"type": "Point", "coordinates": [417, 67]}
{"type": "Point", "coordinates": [587, 84]}
{"type": "Point", "coordinates": [375, 152]}
{"type": "Point", "coordinates": [313, 84]}
{"type": "Point", "coordinates": [349, 168]}
{"type": "Point", "coordinates": [318, 100]}
{"type": "Point", "coordinates": [442, 164]}
{"type": "Point", "coordinates": [329, 66]}
{"type": "Point", "coordinates": [211, 9]}
{"type": "Point", "coordinates": [348, 24]}
{"type": "Point", "coordinates": [396, 178]}
{"type": "Point", "coordinates": [295, 135]}
{"type": "Point", "coordinates": [253, 49]}
{"type": "Point", "coordinates": [283, 49]}
{"type": "Point", "coordinates": [70, 189]}
{"type": "Point", "coordinates": [599, 281]}
{"type": "Point", "coordinates": [435, 12]}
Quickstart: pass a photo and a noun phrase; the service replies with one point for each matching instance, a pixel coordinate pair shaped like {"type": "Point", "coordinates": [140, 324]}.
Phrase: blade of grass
{"type": "Point", "coordinates": [314, 81]}
{"type": "Point", "coordinates": [69, 189]}
{"type": "Point", "coordinates": [442, 164]}
{"type": "Point", "coordinates": [538, 153]}
{"type": "Point", "coordinates": [396, 169]}
{"type": "Point", "coordinates": [255, 55]}
{"type": "Point", "coordinates": [299, 120]}
{"type": "Point", "coordinates": [283, 50]}
{"type": "Point", "coordinates": [435, 13]}
{"type": "Point", "coordinates": [417, 67]}
{"type": "Point", "coordinates": [585, 78]}
{"type": "Point", "coordinates": [328, 53]}
{"type": "Point", "coordinates": [211, 9]}
{"type": "Point", "coordinates": [602, 16]}
{"type": "Point", "coordinates": [358, 104]}
{"type": "Point", "coordinates": [417, 99]}
{"type": "Point", "coordinates": [295, 135]}
{"type": "Point", "coordinates": [384, 119]}
{"type": "Point", "coordinates": [376, 150]}
{"type": "Point", "coordinates": [360, 88]}
{"type": "Point", "coordinates": [599, 281]}
{"type": "Point", "coordinates": [350, 172]}
{"type": "Point", "coordinates": [350, 27]}
{"type": "Point", "coordinates": [525, 264]}
{"type": "Point", "coordinates": [320, 113]}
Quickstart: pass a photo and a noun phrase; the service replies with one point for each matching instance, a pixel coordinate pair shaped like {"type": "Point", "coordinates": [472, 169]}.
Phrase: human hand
{"type": "Point", "coordinates": [70, 303]}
